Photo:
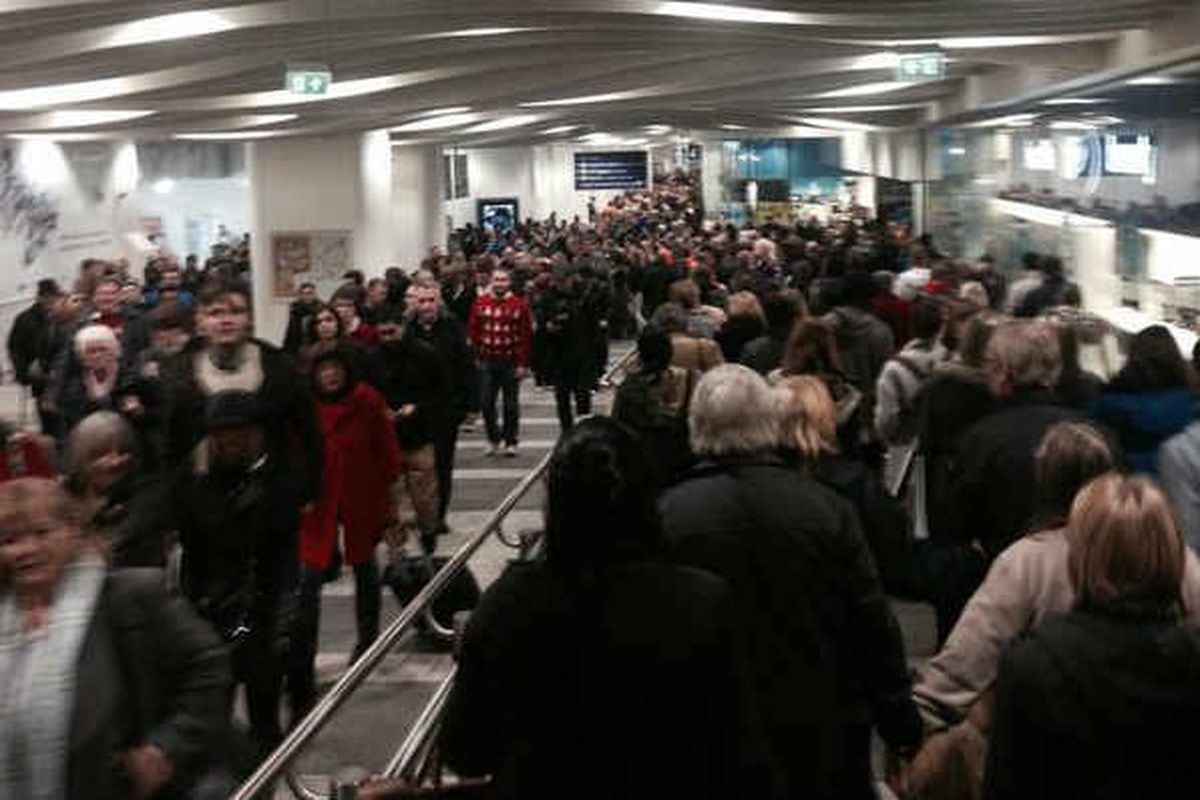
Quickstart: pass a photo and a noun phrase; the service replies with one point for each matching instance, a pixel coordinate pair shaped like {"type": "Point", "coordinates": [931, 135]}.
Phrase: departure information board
{"type": "Point", "coordinates": [614, 170]}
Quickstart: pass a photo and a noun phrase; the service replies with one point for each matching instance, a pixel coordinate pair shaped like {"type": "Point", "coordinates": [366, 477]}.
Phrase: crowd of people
{"type": "Point", "coordinates": [710, 617]}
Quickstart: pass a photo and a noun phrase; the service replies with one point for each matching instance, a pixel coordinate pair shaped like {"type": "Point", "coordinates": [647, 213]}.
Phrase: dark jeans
{"type": "Point", "coordinates": [302, 676]}
{"type": "Point", "coordinates": [444, 444]}
{"type": "Point", "coordinates": [562, 399]}
{"type": "Point", "coordinates": [494, 378]}
{"type": "Point", "coordinates": [258, 666]}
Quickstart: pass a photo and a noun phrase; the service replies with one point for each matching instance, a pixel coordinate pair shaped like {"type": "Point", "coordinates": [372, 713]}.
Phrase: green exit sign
{"type": "Point", "coordinates": [309, 80]}
{"type": "Point", "coordinates": [922, 67]}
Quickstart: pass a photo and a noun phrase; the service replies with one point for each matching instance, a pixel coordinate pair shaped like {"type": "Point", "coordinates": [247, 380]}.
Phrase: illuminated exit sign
{"type": "Point", "coordinates": [921, 67]}
{"type": "Point", "coordinates": [309, 79]}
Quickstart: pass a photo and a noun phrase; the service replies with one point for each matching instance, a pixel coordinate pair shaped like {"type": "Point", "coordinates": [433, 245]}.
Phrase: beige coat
{"type": "Point", "coordinates": [1027, 582]}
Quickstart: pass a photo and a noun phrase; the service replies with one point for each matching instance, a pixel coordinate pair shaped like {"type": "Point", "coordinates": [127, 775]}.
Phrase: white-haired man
{"type": "Point", "coordinates": [822, 642]}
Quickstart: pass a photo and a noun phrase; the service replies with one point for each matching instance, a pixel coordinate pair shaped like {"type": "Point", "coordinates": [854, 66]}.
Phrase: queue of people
{"type": "Point", "coordinates": [711, 614]}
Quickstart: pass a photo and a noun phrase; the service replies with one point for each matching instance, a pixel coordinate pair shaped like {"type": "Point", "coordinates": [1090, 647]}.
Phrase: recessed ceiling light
{"type": "Point", "coordinates": [723, 12]}
{"type": "Point", "coordinates": [437, 123]}
{"type": "Point", "coordinates": [607, 97]}
{"type": "Point", "coordinates": [864, 89]}
{"type": "Point", "coordinates": [503, 123]}
{"type": "Point", "coordinates": [168, 27]}
{"type": "Point", "coordinates": [561, 129]}
{"type": "Point", "coordinates": [1074, 101]}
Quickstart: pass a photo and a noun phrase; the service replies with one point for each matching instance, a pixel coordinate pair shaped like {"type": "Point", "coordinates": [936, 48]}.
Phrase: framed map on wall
{"type": "Point", "coordinates": [319, 257]}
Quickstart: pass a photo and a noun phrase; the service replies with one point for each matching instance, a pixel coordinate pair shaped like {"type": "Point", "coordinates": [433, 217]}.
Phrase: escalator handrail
{"type": "Point", "coordinates": [304, 731]}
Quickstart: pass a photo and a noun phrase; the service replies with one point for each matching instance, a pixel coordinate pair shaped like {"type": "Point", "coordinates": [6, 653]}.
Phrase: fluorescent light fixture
{"type": "Point", "coordinates": [885, 60]}
{"type": "Point", "coordinates": [163, 186]}
{"type": "Point", "coordinates": [834, 124]}
{"type": "Point", "coordinates": [984, 42]}
{"type": "Point", "coordinates": [228, 136]}
{"type": "Point", "coordinates": [607, 97]}
{"type": "Point", "coordinates": [474, 32]}
{"type": "Point", "coordinates": [257, 120]}
{"type": "Point", "coordinates": [1106, 120]}
{"type": "Point", "coordinates": [1071, 125]}
{"type": "Point", "coordinates": [61, 137]}
{"type": "Point", "coordinates": [1074, 101]}
{"type": "Point", "coordinates": [503, 123]}
{"type": "Point", "coordinates": [863, 109]}
{"type": "Point", "coordinates": [1153, 80]}
{"type": "Point", "coordinates": [723, 12]}
{"type": "Point", "coordinates": [864, 89]}
{"type": "Point", "coordinates": [437, 123]}
{"type": "Point", "coordinates": [168, 27]}
{"type": "Point", "coordinates": [956, 151]}
{"type": "Point", "coordinates": [86, 119]}
{"type": "Point", "coordinates": [728, 126]}
{"type": "Point", "coordinates": [439, 112]}
{"type": "Point", "coordinates": [1010, 121]}
{"type": "Point", "coordinates": [62, 94]}
{"type": "Point", "coordinates": [561, 129]}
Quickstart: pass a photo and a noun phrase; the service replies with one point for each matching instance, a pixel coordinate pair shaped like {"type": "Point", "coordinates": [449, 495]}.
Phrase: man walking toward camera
{"type": "Point", "coordinates": [500, 328]}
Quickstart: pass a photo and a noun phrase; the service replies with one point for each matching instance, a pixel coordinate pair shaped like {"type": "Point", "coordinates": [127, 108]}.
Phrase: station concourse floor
{"type": "Point", "coordinates": [367, 729]}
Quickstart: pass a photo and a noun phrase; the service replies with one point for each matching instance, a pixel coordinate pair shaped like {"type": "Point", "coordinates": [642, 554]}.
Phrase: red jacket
{"type": "Point", "coordinates": [362, 461]}
{"type": "Point", "coordinates": [501, 329]}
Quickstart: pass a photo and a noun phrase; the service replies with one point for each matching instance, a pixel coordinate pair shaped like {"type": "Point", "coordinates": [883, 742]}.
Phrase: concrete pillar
{"type": "Point", "coordinates": [418, 216]}
{"type": "Point", "coordinates": [333, 184]}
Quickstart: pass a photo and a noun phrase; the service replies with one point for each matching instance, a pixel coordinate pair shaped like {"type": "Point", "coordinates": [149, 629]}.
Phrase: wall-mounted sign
{"type": "Point", "coordinates": [309, 79]}
{"type": "Point", "coordinates": [618, 170]}
{"type": "Point", "coordinates": [921, 67]}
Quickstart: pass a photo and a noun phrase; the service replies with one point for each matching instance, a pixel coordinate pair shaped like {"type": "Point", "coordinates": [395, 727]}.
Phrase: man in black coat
{"type": "Point", "coordinates": [417, 389]}
{"type": "Point", "coordinates": [444, 333]}
{"type": "Point", "coordinates": [826, 654]}
{"type": "Point", "coordinates": [27, 341]}
{"type": "Point", "coordinates": [285, 477]}
{"type": "Point", "coordinates": [992, 485]}
{"type": "Point", "coordinates": [300, 315]}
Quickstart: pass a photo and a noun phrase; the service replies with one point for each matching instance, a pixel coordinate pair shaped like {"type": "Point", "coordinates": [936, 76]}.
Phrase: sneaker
{"type": "Point", "coordinates": [510, 451]}
{"type": "Point", "coordinates": [493, 450]}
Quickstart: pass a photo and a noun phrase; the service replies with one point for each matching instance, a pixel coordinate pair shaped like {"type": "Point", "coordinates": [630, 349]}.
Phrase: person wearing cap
{"type": "Point", "coordinates": [237, 567]}
{"type": "Point", "coordinates": [26, 340]}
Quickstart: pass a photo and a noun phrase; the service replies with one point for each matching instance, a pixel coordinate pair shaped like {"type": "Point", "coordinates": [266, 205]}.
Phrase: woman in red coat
{"type": "Point", "coordinates": [362, 461]}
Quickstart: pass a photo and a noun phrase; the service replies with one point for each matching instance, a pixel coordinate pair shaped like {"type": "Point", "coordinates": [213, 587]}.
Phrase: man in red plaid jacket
{"type": "Point", "coordinates": [500, 329]}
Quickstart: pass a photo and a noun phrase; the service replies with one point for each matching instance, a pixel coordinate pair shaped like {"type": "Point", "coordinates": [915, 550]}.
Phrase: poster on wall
{"type": "Point", "coordinates": [319, 257]}
{"type": "Point", "coordinates": [29, 219]}
{"type": "Point", "coordinates": [615, 170]}
{"type": "Point", "coordinates": [499, 213]}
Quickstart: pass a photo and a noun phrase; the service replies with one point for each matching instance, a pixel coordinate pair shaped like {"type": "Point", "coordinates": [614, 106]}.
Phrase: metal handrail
{"type": "Point", "coordinates": [275, 763]}
{"type": "Point", "coordinates": [402, 761]}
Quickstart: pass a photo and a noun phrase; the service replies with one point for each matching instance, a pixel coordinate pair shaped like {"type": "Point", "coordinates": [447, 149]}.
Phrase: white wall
{"type": "Point", "coordinates": [192, 211]}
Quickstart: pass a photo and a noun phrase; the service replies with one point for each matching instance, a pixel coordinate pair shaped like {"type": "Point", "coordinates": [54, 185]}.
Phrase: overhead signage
{"type": "Point", "coordinates": [615, 170]}
{"type": "Point", "coordinates": [921, 67]}
{"type": "Point", "coordinates": [312, 79]}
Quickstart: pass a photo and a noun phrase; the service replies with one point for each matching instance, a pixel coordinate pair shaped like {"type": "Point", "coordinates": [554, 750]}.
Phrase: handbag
{"type": "Point", "coordinates": [407, 575]}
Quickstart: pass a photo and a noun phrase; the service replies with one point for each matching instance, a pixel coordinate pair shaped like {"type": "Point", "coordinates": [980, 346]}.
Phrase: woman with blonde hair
{"type": "Point", "coordinates": [809, 440]}
{"type": "Point", "coordinates": [1101, 702]}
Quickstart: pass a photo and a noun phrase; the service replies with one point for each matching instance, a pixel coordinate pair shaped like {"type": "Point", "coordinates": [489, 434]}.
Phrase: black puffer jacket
{"type": "Point", "coordinates": [1097, 706]}
{"type": "Point", "coordinates": [825, 652]}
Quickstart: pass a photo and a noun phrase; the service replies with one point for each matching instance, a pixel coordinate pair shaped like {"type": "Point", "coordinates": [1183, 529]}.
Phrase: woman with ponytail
{"type": "Point", "coordinates": [602, 671]}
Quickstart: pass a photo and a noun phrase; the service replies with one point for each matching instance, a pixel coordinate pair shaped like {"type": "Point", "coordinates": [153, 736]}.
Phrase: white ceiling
{"type": "Point", "coordinates": [519, 67]}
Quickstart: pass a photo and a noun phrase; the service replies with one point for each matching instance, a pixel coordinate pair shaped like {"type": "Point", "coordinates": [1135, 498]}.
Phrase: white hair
{"type": "Point", "coordinates": [733, 412]}
{"type": "Point", "coordinates": [96, 334]}
{"type": "Point", "coordinates": [98, 433]}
